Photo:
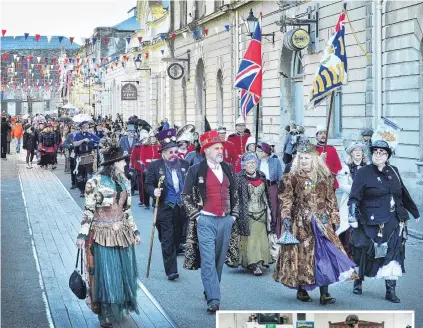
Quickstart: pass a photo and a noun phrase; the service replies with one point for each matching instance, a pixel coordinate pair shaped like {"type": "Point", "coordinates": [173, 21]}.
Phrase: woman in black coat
{"type": "Point", "coordinates": [379, 202]}
{"type": "Point", "coordinates": [30, 144]}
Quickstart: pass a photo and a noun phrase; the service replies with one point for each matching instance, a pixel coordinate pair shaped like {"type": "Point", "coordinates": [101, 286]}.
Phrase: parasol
{"type": "Point", "coordinates": [82, 117]}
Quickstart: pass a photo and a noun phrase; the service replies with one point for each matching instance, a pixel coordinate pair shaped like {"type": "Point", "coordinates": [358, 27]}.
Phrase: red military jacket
{"type": "Point", "coordinates": [239, 142]}
{"type": "Point", "coordinates": [143, 155]}
{"type": "Point", "coordinates": [332, 161]}
{"type": "Point", "coordinates": [229, 154]}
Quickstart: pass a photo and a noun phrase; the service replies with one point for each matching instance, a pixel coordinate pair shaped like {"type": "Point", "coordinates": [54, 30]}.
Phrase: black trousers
{"type": "Point", "coordinates": [4, 148]}
{"type": "Point", "coordinates": [142, 190]}
{"type": "Point", "coordinates": [72, 164]}
{"type": "Point", "coordinates": [30, 155]}
{"type": "Point", "coordinates": [170, 223]}
{"type": "Point", "coordinates": [8, 147]}
{"type": "Point", "coordinates": [84, 173]}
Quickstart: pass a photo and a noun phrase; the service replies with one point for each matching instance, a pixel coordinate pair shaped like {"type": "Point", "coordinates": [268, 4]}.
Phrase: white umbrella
{"type": "Point", "coordinates": [82, 117]}
{"type": "Point", "coordinates": [69, 106]}
{"type": "Point", "coordinates": [25, 116]}
{"type": "Point", "coordinates": [39, 118]}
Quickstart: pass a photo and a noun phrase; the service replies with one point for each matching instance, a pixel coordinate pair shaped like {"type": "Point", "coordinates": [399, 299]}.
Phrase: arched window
{"type": "Point", "coordinates": [298, 87]}
{"type": "Point", "coordinates": [182, 13]}
{"type": "Point", "coordinates": [184, 102]}
{"type": "Point", "coordinates": [200, 96]}
{"type": "Point", "coordinates": [219, 97]}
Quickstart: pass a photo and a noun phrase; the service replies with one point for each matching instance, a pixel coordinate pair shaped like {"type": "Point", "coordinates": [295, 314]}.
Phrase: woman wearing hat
{"type": "Point", "coordinates": [108, 234]}
{"type": "Point", "coordinates": [255, 217]}
{"type": "Point", "coordinates": [309, 212]}
{"type": "Point", "coordinates": [356, 160]}
{"type": "Point", "coordinates": [380, 198]}
{"type": "Point", "coordinates": [48, 147]}
{"type": "Point", "coordinates": [352, 321]}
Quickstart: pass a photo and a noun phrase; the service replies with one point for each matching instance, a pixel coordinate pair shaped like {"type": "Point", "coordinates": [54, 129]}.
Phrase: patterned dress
{"type": "Point", "coordinates": [319, 259]}
{"type": "Point", "coordinates": [109, 229]}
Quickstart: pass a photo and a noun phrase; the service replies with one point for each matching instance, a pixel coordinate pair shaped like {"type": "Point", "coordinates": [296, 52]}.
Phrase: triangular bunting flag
{"type": "Point", "coordinates": [94, 40]}
{"type": "Point", "coordinates": [38, 59]}
{"type": "Point", "coordinates": [37, 37]}
{"type": "Point", "coordinates": [173, 35]}
{"type": "Point", "coordinates": [227, 28]}
{"type": "Point", "coordinates": [184, 34]}
{"type": "Point", "coordinates": [146, 55]}
{"type": "Point", "coordinates": [206, 31]}
{"type": "Point", "coordinates": [26, 35]}
{"type": "Point", "coordinates": [128, 40]}
{"type": "Point", "coordinates": [48, 38]}
{"type": "Point", "coordinates": [162, 51]}
{"type": "Point", "coordinates": [83, 40]}
{"type": "Point", "coordinates": [106, 41]}
{"type": "Point", "coordinates": [116, 40]}
{"type": "Point", "coordinates": [60, 39]}
{"type": "Point", "coordinates": [140, 39]}
{"type": "Point", "coordinates": [71, 39]}
{"type": "Point", "coordinates": [216, 29]}
{"type": "Point", "coordinates": [162, 36]}
{"type": "Point", "coordinates": [123, 64]}
{"type": "Point", "coordinates": [3, 32]}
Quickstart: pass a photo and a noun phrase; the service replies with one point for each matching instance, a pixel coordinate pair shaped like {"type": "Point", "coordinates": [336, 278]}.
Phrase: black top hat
{"type": "Point", "coordinates": [112, 150]}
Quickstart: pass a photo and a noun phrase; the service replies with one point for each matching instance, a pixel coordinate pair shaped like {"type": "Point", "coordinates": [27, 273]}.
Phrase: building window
{"type": "Point", "coordinates": [184, 102]}
{"type": "Point", "coordinates": [337, 114]}
{"type": "Point", "coordinates": [182, 13]}
{"type": "Point", "coordinates": [219, 97]}
{"type": "Point", "coordinates": [200, 9]}
{"type": "Point", "coordinates": [218, 4]}
{"type": "Point", "coordinates": [301, 317]}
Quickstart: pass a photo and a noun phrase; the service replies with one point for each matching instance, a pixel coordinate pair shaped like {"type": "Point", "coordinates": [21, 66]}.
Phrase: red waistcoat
{"type": "Point", "coordinates": [218, 199]}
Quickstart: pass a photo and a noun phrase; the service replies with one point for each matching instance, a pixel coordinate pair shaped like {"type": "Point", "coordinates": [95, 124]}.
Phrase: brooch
{"type": "Point", "coordinates": [161, 171]}
{"type": "Point", "coordinates": [182, 169]}
{"type": "Point", "coordinates": [200, 180]}
{"type": "Point", "coordinates": [309, 184]}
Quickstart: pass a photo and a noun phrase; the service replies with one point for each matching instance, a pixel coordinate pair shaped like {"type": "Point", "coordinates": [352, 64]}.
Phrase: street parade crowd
{"type": "Point", "coordinates": [225, 200]}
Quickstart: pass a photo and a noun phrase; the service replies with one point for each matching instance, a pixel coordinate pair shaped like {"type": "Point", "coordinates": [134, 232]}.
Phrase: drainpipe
{"type": "Point", "coordinates": [377, 60]}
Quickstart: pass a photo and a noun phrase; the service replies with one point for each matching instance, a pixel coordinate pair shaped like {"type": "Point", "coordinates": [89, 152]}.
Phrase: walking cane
{"type": "Point", "coordinates": [154, 227]}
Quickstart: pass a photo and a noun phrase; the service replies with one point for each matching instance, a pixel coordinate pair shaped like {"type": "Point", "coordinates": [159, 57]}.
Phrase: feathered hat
{"type": "Point", "coordinates": [112, 150]}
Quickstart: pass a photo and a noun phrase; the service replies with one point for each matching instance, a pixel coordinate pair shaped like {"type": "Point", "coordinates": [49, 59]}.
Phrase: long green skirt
{"type": "Point", "coordinates": [254, 249]}
{"type": "Point", "coordinates": [115, 286]}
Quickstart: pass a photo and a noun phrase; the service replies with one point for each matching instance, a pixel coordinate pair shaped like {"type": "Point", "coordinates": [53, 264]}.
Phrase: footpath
{"type": "Point", "coordinates": [54, 220]}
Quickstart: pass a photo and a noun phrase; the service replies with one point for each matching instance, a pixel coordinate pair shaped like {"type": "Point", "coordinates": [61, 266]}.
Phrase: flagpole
{"type": "Point", "coordinates": [328, 120]}
{"type": "Point", "coordinates": [257, 121]}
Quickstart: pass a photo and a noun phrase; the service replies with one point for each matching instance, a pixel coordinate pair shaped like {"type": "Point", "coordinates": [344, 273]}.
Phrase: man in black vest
{"type": "Point", "coordinates": [171, 214]}
{"type": "Point", "coordinates": [83, 144]}
{"type": "Point", "coordinates": [212, 184]}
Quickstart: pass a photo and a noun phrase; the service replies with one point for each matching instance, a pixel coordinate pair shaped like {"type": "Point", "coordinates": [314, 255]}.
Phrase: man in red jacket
{"type": "Point", "coordinates": [330, 157]}
{"type": "Point", "coordinates": [239, 140]}
{"type": "Point", "coordinates": [142, 155]}
{"type": "Point", "coordinates": [229, 153]}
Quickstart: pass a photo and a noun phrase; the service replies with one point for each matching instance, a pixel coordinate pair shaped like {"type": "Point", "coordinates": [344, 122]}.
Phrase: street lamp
{"type": "Point", "coordinates": [251, 23]}
{"type": "Point", "coordinates": [138, 63]}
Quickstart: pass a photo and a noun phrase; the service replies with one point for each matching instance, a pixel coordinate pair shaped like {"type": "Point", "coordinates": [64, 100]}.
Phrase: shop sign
{"type": "Point", "coordinates": [129, 92]}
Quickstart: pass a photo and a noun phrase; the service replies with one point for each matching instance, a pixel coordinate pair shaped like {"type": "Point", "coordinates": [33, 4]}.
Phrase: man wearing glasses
{"type": "Point", "coordinates": [171, 216]}
{"type": "Point", "coordinates": [211, 200]}
{"type": "Point", "coordinates": [239, 140]}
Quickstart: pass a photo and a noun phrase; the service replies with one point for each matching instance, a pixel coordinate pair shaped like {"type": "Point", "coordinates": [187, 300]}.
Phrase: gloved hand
{"type": "Point", "coordinates": [352, 220]}
{"type": "Point", "coordinates": [288, 224]}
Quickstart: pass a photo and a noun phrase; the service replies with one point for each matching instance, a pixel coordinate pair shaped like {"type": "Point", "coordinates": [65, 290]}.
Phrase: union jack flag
{"type": "Point", "coordinates": [250, 73]}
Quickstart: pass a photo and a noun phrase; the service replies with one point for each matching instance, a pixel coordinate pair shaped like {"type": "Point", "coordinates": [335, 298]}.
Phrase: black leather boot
{"type": "Point", "coordinates": [358, 287]}
{"type": "Point", "coordinates": [303, 296]}
{"type": "Point", "coordinates": [390, 291]}
{"type": "Point", "coordinates": [325, 297]}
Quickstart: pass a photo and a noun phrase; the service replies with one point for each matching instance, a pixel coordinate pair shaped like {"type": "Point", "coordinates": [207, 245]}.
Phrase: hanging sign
{"type": "Point", "coordinates": [129, 92]}
{"type": "Point", "coordinates": [175, 71]}
{"type": "Point", "coordinates": [296, 39]}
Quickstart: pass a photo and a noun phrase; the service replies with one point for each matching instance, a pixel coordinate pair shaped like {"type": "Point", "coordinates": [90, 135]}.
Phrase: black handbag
{"type": "Point", "coordinates": [77, 284]}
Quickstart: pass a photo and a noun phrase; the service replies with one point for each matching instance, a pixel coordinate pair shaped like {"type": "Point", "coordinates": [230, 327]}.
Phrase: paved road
{"type": "Point", "coordinates": [184, 302]}
{"type": "Point", "coordinates": [22, 298]}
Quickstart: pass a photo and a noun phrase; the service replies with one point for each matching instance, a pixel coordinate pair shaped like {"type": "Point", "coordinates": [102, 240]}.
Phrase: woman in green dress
{"type": "Point", "coordinates": [255, 219]}
{"type": "Point", "coordinates": [108, 234]}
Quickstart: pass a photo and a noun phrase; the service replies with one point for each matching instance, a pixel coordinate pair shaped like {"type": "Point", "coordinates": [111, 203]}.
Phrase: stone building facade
{"type": "Point", "coordinates": [388, 84]}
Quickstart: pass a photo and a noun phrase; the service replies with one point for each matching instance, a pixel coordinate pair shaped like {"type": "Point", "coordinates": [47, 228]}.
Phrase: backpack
{"type": "Point", "coordinates": [48, 140]}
